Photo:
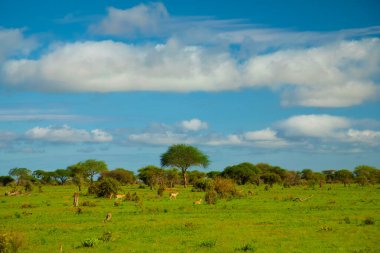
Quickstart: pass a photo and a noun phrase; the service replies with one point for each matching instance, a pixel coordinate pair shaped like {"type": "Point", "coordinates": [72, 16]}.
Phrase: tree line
{"type": "Point", "coordinates": [174, 170]}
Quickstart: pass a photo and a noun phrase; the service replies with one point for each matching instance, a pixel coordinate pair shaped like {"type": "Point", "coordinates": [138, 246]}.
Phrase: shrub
{"type": "Point", "coordinates": [160, 191]}
{"type": "Point", "coordinates": [369, 221]}
{"type": "Point", "coordinates": [347, 220]}
{"type": "Point", "coordinates": [88, 203]}
{"type": "Point", "coordinates": [92, 189]}
{"type": "Point", "coordinates": [106, 187]}
{"type": "Point", "coordinates": [247, 247]}
{"type": "Point", "coordinates": [224, 187]}
{"type": "Point", "coordinates": [211, 197]}
{"type": "Point", "coordinates": [28, 186]}
{"type": "Point", "coordinates": [203, 185]}
{"type": "Point", "coordinates": [89, 243]}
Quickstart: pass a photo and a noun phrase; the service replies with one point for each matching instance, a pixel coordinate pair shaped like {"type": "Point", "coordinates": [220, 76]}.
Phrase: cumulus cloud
{"type": "Point", "coordinates": [338, 75]}
{"type": "Point", "coordinates": [109, 66]}
{"type": "Point", "coordinates": [67, 134]}
{"type": "Point", "coordinates": [194, 125]}
{"type": "Point", "coordinates": [13, 42]}
{"type": "Point", "coordinates": [319, 126]}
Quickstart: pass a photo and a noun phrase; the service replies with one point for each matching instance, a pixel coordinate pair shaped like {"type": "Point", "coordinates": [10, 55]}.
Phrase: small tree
{"type": "Point", "coordinates": [21, 174]}
{"type": "Point", "coordinates": [93, 167]}
{"type": "Point", "coordinates": [61, 175]}
{"type": "Point", "coordinates": [151, 176]}
{"type": "Point", "coordinates": [183, 157]}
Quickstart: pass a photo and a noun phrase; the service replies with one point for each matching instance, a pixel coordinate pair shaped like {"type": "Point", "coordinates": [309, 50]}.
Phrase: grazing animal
{"type": "Point", "coordinates": [173, 195]}
{"type": "Point", "coordinates": [108, 217]}
{"type": "Point", "coordinates": [197, 202]}
{"type": "Point", "coordinates": [120, 196]}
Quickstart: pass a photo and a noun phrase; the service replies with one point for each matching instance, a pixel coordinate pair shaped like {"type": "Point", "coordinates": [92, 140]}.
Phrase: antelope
{"type": "Point", "coordinates": [108, 217]}
{"type": "Point", "coordinates": [197, 202]}
{"type": "Point", "coordinates": [120, 196]}
{"type": "Point", "coordinates": [173, 195]}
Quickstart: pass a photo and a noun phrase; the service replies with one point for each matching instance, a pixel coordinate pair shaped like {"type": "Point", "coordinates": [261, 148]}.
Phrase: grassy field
{"type": "Point", "coordinates": [336, 220]}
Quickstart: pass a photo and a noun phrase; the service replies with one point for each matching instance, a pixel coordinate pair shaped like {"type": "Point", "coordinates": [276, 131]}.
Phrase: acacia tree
{"type": "Point", "coordinates": [184, 156]}
{"type": "Point", "coordinates": [20, 174]}
{"type": "Point", "coordinates": [93, 167]}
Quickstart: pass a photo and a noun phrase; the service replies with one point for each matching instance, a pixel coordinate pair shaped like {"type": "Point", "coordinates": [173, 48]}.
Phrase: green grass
{"type": "Point", "coordinates": [336, 220]}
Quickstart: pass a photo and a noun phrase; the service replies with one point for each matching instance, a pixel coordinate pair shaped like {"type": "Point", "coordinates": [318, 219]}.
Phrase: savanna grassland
{"type": "Point", "coordinates": [333, 218]}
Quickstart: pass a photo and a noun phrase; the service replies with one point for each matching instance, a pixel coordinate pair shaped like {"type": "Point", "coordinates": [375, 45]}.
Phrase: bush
{"type": "Point", "coordinates": [203, 185]}
{"type": "Point", "coordinates": [28, 186]}
{"type": "Point", "coordinates": [247, 247]}
{"type": "Point", "coordinates": [225, 188]}
{"type": "Point", "coordinates": [89, 243]}
{"type": "Point", "coordinates": [369, 221]}
{"type": "Point", "coordinates": [88, 203]}
{"type": "Point", "coordinates": [106, 187]}
{"type": "Point", "coordinates": [211, 197]}
{"type": "Point", "coordinates": [160, 191]}
{"type": "Point", "coordinates": [11, 242]}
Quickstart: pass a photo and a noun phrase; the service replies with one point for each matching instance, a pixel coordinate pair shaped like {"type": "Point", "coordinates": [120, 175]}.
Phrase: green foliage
{"type": "Point", "coordinates": [123, 176]}
{"type": "Point", "coordinates": [61, 175]}
{"type": "Point", "coordinates": [211, 197]}
{"type": "Point", "coordinates": [195, 176]}
{"type": "Point", "coordinates": [183, 156]}
{"type": "Point", "coordinates": [28, 186]}
{"type": "Point", "coordinates": [89, 243]}
{"type": "Point", "coordinates": [151, 176]}
{"type": "Point", "coordinates": [242, 173]}
{"type": "Point", "coordinates": [225, 188]}
{"type": "Point", "coordinates": [160, 191]}
{"type": "Point", "coordinates": [106, 187]}
{"type": "Point", "coordinates": [247, 248]}
{"type": "Point", "coordinates": [4, 180]}
{"type": "Point", "coordinates": [203, 185]}
{"type": "Point", "coordinates": [21, 174]}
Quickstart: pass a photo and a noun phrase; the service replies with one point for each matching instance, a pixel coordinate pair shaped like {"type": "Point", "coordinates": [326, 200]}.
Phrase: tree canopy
{"type": "Point", "coordinates": [184, 156]}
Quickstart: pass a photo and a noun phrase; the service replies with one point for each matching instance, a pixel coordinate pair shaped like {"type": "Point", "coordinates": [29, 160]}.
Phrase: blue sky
{"type": "Point", "coordinates": [291, 83]}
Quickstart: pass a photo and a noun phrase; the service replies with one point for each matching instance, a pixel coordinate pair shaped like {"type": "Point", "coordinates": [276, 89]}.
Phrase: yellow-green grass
{"type": "Point", "coordinates": [267, 221]}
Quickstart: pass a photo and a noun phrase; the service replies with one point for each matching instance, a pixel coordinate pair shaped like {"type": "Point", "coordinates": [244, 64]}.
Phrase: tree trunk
{"type": "Point", "coordinates": [184, 178]}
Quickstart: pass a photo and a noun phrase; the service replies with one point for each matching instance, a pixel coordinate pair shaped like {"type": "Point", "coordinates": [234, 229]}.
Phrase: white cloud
{"type": "Point", "coordinates": [261, 135]}
{"type": "Point", "coordinates": [13, 42]}
{"type": "Point", "coordinates": [335, 75]}
{"type": "Point", "coordinates": [139, 20]}
{"type": "Point", "coordinates": [194, 125]}
{"type": "Point", "coordinates": [109, 66]}
{"type": "Point", "coordinates": [154, 21]}
{"type": "Point", "coordinates": [318, 126]}
{"type": "Point", "coordinates": [67, 134]}
{"type": "Point", "coordinates": [364, 136]}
